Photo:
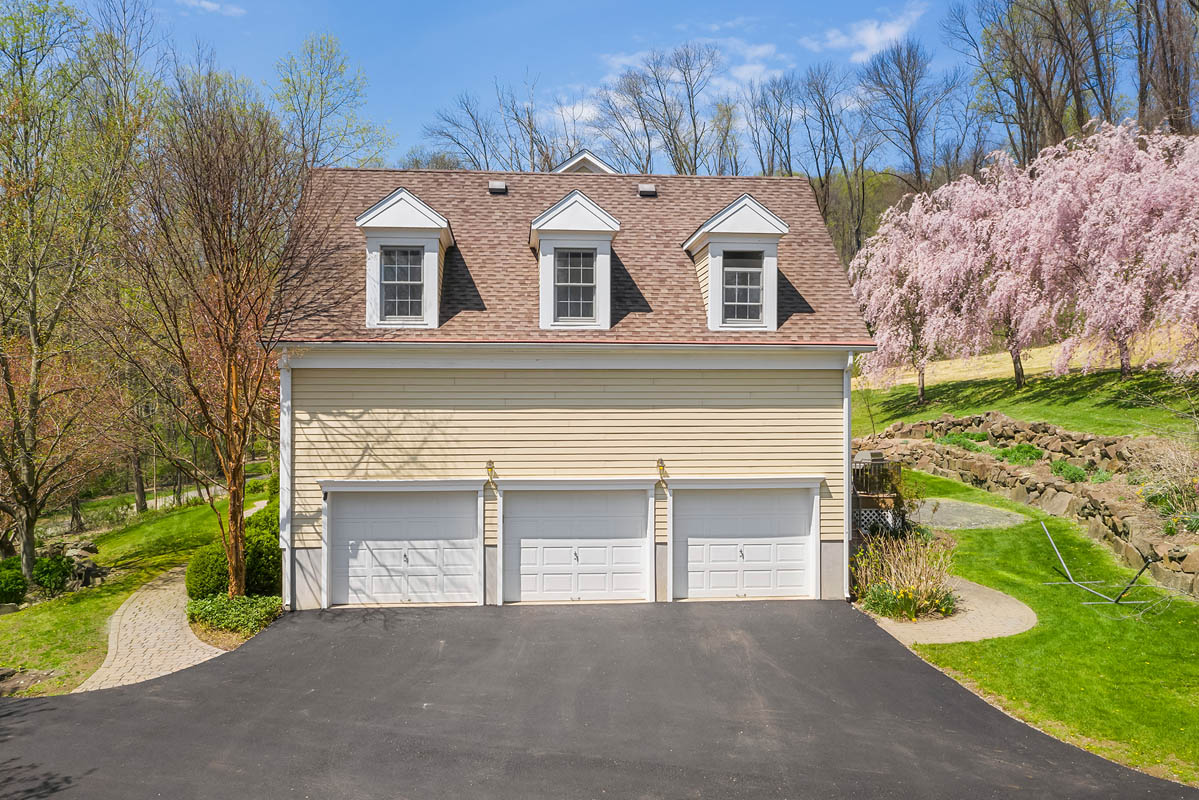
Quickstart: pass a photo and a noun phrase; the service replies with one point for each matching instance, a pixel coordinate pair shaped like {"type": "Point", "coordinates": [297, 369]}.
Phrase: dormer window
{"type": "Point", "coordinates": [402, 283]}
{"type": "Point", "coordinates": [573, 240]}
{"type": "Point", "coordinates": [736, 261]}
{"type": "Point", "coordinates": [743, 287]}
{"type": "Point", "coordinates": [406, 243]}
{"type": "Point", "coordinates": [574, 285]}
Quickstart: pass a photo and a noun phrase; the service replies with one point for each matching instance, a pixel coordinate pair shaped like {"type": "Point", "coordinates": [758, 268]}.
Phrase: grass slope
{"type": "Point", "coordinates": [69, 634]}
{"type": "Point", "coordinates": [1126, 689]}
{"type": "Point", "coordinates": [1098, 402]}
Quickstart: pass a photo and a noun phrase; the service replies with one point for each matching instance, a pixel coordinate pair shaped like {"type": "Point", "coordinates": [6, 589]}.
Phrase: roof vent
{"type": "Point", "coordinates": [647, 190]}
{"type": "Point", "coordinates": [497, 187]}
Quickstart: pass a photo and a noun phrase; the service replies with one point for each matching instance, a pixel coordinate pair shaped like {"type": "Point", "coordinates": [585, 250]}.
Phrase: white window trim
{"type": "Point", "coordinates": [430, 279]}
{"type": "Point", "coordinates": [602, 245]}
{"type": "Point", "coordinates": [768, 246]}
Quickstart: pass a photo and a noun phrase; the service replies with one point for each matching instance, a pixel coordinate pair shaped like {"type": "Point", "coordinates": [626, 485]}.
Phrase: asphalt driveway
{"type": "Point", "coordinates": [723, 700]}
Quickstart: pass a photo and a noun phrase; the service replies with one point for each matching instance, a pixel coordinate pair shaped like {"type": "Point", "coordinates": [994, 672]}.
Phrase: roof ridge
{"type": "Point", "coordinates": [562, 175]}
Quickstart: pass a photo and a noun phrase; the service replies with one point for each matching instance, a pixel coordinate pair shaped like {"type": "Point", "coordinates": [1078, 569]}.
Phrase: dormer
{"type": "Point", "coordinates": [585, 161]}
{"type": "Point", "coordinates": [406, 242]}
{"type": "Point", "coordinates": [573, 240]}
{"type": "Point", "coordinates": [736, 260]}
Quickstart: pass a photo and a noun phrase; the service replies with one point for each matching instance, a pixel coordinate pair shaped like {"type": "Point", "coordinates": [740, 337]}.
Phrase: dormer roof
{"type": "Point", "coordinates": [743, 216]}
{"type": "Point", "coordinates": [402, 210]}
{"type": "Point", "coordinates": [574, 213]}
{"type": "Point", "coordinates": [586, 161]}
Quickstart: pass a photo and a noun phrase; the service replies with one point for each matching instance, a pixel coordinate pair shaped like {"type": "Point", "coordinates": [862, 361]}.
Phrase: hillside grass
{"type": "Point", "coordinates": [1121, 687]}
{"type": "Point", "coordinates": [68, 635]}
{"type": "Point", "coordinates": [1098, 402]}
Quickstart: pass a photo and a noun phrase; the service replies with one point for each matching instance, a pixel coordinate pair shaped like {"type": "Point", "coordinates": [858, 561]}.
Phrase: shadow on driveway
{"type": "Point", "coordinates": [722, 700]}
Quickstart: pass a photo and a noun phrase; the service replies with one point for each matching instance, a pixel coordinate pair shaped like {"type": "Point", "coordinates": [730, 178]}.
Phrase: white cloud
{"type": "Point", "coordinates": [224, 9]}
{"type": "Point", "coordinates": [867, 36]}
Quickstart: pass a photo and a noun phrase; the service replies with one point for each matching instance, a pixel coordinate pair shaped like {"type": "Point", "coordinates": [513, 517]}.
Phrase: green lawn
{"type": "Point", "coordinates": [1126, 689]}
{"type": "Point", "coordinates": [1096, 403]}
{"type": "Point", "coordinates": [68, 635]}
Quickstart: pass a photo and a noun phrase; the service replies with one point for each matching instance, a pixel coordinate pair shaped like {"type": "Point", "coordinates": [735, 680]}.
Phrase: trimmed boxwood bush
{"type": "Point", "coordinates": [12, 586]}
{"type": "Point", "coordinates": [10, 563]}
{"type": "Point", "coordinates": [53, 573]}
{"type": "Point", "coordinates": [245, 615]}
{"type": "Point", "coordinates": [208, 570]}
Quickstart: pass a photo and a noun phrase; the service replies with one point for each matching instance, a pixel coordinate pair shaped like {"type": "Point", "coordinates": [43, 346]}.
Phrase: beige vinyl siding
{"type": "Point", "coordinates": [395, 423]}
{"type": "Point", "coordinates": [701, 272]}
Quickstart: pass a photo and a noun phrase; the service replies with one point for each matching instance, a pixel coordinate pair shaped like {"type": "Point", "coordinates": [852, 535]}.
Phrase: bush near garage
{"type": "Point", "coordinates": [245, 615]}
{"type": "Point", "coordinates": [208, 570]}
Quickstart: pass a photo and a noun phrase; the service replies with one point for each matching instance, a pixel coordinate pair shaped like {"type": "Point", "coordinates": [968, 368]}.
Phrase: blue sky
{"type": "Point", "coordinates": [417, 56]}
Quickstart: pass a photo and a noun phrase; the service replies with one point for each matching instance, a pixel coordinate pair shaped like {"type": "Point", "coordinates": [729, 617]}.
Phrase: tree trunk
{"type": "Point", "coordinates": [139, 484]}
{"type": "Point", "coordinates": [77, 525]}
{"type": "Point", "coordinates": [920, 386]}
{"type": "Point", "coordinates": [7, 549]}
{"type": "Point", "coordinates": [178, 488]}
{"type": "Point", "coordinates": [1125, 359]}
{"type": "Point", "coordinates": [1017, 367]}
{"type": "Point", "coordinates": [235, 545]}
{"type": "Point", "coordinates": [26, 524]}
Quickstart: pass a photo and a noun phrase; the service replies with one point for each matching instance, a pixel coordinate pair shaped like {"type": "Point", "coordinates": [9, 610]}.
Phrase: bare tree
{"type": "Point", "coordinates": [622, 123]}
{"type": "Point", "coordinates": [675, 86]}
{"type": "Point", "coordinates": [467, 131]}
{"type": "Point", "coordinates": [217, 252]}
{"type": "Point", "coordinates": [1166, 34]}
{"type": "Point", "coordinates": [905, 98]}
{"type": "Point", "coordinates": [771, 107]}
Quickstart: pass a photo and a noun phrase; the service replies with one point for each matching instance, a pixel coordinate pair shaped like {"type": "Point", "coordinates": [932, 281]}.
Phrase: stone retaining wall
{"type": "Point", "coordinates": [1126, 526]}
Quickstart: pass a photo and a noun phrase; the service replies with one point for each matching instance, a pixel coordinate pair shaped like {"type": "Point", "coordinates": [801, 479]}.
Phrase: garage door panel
{"type": "Point", "coordinates": [404, 547]}
{"type": "Point", "coordinates": [742, 543]}
{"type": "Point", "coordinates": [575, 545]}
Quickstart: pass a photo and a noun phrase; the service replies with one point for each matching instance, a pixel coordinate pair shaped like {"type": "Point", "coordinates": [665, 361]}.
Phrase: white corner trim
{"type": "Point", "coordinates": [482, 552]}
{"type": "Point", "coordinates": [430, 278]}
{"type": "Point", "coordinates": [651, 563]}
{"type": "Point", "coordinates": [585, 161]}
{"type": "Point", "coordinates": [326, 550]}
{"type": "Point", "coordinates": [285, 479]}
{"type": "Point", "coordinates": [847, 480]}
{"type": "Point", "coordinates": [743, 215]}
{"type": "Point", "coordinates": [499, 545]}
{"type": "Point", "coordinates": [669, 543]}
{"type": "Point", "coordinates": [769, 248]}
{"type": "Point", "coordinates": [602, 245]}
{"type": "Point", "coordinates": [814, 534]}
{"type": "Point", "coordinates": [399, 485]}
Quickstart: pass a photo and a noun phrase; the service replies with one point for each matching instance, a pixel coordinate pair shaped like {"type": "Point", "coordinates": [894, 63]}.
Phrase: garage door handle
{"type": "Point", "coordinates": [576, 555]}
{"type": "Point", "coordinates": [741, 553]}
{"type": "Point", "coordinates": [405, 559]}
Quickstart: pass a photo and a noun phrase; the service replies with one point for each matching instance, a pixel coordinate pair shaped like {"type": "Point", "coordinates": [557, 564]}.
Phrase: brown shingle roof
{"type": "Point", "coordinates": [490, 282]}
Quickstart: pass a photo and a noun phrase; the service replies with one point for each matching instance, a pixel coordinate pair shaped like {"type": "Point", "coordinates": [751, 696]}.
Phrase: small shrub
{"type": "Point", "coordinates": [53, 573]}
{"type": "Point", "coordinates": [960, 440]}
{"type": "Point", "coordinates": [976, 436]}
{"type": "Point", "coordinates": [1168, 471]}
{"type": "Point", "coordinates": [208, 570]}
{"type": "Point", "coordinates": [10, 563]}
{"type": "Point", "coordinates": [1021, 455]}
{"type": "Point", "coordinates": [1067, 471]}
{"type": "Point", "coordinates": [245, 615]}
{"type": "Point", "coordinates": [1101, 476]}
{"type": "Point", "coordinates": [13, 586]}
{"type": "Point", "coordinates": [904, 577]}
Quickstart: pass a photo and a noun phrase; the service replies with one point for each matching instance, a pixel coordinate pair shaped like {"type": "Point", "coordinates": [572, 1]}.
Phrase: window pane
{"type": "Point", "coordinates": [742, 286]}
{"type": "Point", "coordinates": [574, 284]}
{"type": "Point", "coordinates": [402, 289]}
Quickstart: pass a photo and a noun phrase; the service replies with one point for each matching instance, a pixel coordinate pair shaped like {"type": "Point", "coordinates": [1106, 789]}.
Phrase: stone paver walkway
{"type": "Point", "coordinates": [939, 512]}
{"type": "Point", "coordinates": [149, 636]}
{"type": "Point", "coordinates": [983, 613]}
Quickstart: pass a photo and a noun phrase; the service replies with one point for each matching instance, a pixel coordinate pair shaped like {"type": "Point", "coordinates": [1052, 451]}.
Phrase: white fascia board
{"type": "Point", "coordinates": [555, 483]}
{"type": "Point", "coordinates": [745, 215]}
{"type": "Point", "coordinates": [407, 355]}
{"type": "Point", "coordinates": [746, 482]}
{"type": "Point", "coordinates": [392, 485]}
{"type": "Point", "coordinates": [574, 213]}
{"type": "Point", "coordinates": [402, 210]}
{"type": "Point", "coordinates": [585, 161]}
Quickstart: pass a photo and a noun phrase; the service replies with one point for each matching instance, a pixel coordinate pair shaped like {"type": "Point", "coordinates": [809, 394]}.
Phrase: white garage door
{"type": "Point", "coordinates": [743, 543]}
{"type": "Point", "coordinates": [575, 545]}
{"type": "Point", "coordinates": [404, 547]}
